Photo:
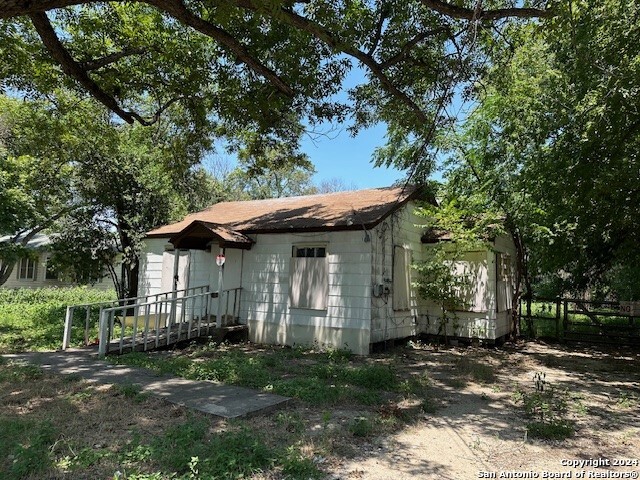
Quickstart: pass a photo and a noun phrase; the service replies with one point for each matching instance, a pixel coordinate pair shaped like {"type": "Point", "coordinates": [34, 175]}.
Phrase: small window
{"type": "Point", "coordinates": [27, 269]}
{"type": "Point", "coordinates": [309, 252]}
{"type": "Point", "coordinates": [309, 280]}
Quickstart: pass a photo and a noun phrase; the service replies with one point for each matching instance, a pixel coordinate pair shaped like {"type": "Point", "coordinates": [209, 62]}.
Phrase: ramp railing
{"type": "Point", "coordinates": [90, 313]}
{"type": "Point", "coordinates": [160, 322]}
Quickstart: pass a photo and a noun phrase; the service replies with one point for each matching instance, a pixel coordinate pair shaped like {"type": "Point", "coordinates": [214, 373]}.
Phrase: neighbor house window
{"type": "Point", "coordinates": [309, 287]}
{"type": "Point", "coordinates": [27, 269]}
{"type": "Point", "coordinates": [504, 266]}
{"type": "Point", "coordinates": [50, 272]}
{"type": "Point", "coordinates": [401, 282]}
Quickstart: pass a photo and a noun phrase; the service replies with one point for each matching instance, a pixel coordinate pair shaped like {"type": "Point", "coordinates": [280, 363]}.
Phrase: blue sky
{"type": "Point", "coordinates": [339, 155]}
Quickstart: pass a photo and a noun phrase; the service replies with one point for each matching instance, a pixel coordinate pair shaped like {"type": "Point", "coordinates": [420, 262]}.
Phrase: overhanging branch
{"type": "Point", "coordinates": [178, 10]}
{"type": "Point", "coordinates": [321, 33]}
{"type": "Point", "coordinates": [109, 59]}
{"type": "Point", "coordinates": [72, 68]}
{"type": "Point", "coordinates": [463, 13]}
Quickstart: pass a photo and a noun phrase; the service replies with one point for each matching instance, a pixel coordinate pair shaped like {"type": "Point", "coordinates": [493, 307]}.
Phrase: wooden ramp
{"type": "Point", "coordinates": [181, 332]}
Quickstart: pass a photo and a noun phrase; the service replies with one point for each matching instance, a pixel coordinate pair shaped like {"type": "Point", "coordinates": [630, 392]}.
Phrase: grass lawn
{"type": "Point", "coordinates": [346, 409]}
{"type": "Point", "coordinates": [79, 430]}
{"type": "Point", "coordinates": [350, 418]}
{"type": "Point", "coordinates": [326, 378]}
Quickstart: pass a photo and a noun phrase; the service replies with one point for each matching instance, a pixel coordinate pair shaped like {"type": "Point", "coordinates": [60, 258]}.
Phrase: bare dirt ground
{"type": "Point", "coordinates": [474, 421]}
{"type": "Point", "coordinates": [481, 428]}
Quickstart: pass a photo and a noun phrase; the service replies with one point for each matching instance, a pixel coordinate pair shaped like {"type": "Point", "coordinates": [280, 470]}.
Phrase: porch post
{"type": "Point", "coordinates": [219, 322]}
{"type": "Point", "coordinates": [172, 317]}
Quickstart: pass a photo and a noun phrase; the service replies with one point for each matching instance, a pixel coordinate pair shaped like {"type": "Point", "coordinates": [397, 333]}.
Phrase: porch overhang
{"type": "Point", "coordinates": [199, 235]}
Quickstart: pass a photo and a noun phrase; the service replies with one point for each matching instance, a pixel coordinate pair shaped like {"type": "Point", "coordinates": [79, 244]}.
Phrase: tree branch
{"type": "Point", "coordinates": [72, 68]}
{"type": "Point", "coordinates": [109, 59]}
{"type": "Point", "coordinates": [378, 34]}
{"type": "Point", "coordinates": [156, 116]}
{"type": "Point", "coordinates": [321, 33]}
{"type": "Point", "coordinates": [178, 10]}
{"type": "Point", "coordinates": [18, 8]}
{"type": "Point", "coordinates": [406, 48]}
{"type": "Point", "coordinates": [463, 13]}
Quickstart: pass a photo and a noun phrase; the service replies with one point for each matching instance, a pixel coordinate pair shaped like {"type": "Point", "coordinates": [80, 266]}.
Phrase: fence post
{"type": "Point", "coordinates": [529, 319]}
{"type": "Point", "coordinates": [558, 318]}
{"type": "Point", "coordinates": [68, 321]}
{"type": "Point", "coordinates": [565, 319]}
{"type": "Point", "coordinates": [103, 334]}
{"type": "Point", "coordinates": [87, 320]}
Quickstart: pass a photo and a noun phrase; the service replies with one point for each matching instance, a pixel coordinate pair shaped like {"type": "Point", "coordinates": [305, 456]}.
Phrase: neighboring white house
{"type": "Point", "coordinates": [35, 272]}
{"type": "Point", "coordinates": [332, 269]}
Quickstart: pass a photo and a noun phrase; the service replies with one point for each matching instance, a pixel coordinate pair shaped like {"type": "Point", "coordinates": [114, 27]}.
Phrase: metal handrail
{"type": "Point", "coordinates": [166, 314]}
{"type": "Point", "coordinates": [175, 314]}
{"type": "Point", "coordinates": [118, 304]}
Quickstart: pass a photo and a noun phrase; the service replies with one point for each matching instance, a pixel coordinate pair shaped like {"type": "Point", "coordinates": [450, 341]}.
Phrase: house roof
{"type": "Point", "coordinates": [198, 234]}
{"type": "Point", "coordinates": [39, 240]}
{"type": "Point", "coordinates": [434, 235]}
{"type": "Point", "coordinates": [351, 210]}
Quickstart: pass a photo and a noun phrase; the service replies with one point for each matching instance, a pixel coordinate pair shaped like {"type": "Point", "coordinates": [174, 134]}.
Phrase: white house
{"type": "Point", "coordinates": [34, 271]}
{"type": "Point", "coordinates": [332, 269]}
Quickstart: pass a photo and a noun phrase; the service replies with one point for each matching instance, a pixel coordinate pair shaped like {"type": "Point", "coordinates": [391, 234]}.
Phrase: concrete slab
{"type": "Point", "coordinates": [225, 401]}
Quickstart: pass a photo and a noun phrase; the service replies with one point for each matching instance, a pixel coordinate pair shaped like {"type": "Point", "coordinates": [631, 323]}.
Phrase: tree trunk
{"type": "Point", "coordinates": [5, 272]}
{"type": "Point", "coordinates": [522, 273]}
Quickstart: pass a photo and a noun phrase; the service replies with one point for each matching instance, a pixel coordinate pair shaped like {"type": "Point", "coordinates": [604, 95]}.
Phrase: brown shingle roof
{"type": "Point", "coordinates": [331, 211]}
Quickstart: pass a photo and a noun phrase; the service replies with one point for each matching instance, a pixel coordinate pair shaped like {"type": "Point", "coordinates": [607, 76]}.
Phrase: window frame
{"type": "Point", "coordinates": [313, 263]}
{"type": "Point", "coordinates": [50, 274]}
{"type": "Point", "coordinates": [25, 269]}
{"type": "Point", "coordinates": [316, 248]}
{"type": "Point", "coordinates": [401, 300]}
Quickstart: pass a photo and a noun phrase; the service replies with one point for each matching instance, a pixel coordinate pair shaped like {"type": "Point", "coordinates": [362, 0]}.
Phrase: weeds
{"type": "Point", "coordinates": [475, 371]}
{"type": "Point", "coordinates": [328, 377]}
{"type": "Point", "coordinates": [295, 465]}
{"type": "Point", "coordinates": [547, 408]}
{"type": "Point", "coordinates": [132, 391]}
{"type": "Point", "coordinates": [627, 400]}
{"type": "Point", "coordinates": [25, 447]}
{"type": "Point", "coordinates": [361, 427]}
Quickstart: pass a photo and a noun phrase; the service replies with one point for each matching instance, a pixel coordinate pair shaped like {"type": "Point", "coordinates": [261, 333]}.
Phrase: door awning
{"type": "Point", "coordinates": [199, 235]}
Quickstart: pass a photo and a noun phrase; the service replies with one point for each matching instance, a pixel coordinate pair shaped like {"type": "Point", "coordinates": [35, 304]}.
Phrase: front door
{"type": "Point", "coordinates": [231, 283]}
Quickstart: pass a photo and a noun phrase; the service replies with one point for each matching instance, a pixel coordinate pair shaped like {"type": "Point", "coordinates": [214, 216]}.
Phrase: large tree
{"type": "Point", "coordinates": [35, 191]}
{"type": "Point", "coordinates": [553, 144]}
{"type": "Point", "coordinates": [259, 65]}
{"type": "Point", "coordinates": [121, 180]}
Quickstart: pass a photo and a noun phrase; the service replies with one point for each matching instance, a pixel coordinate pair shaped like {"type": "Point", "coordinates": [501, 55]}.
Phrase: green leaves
{"type": "Point", "coordinates": [553, 140]}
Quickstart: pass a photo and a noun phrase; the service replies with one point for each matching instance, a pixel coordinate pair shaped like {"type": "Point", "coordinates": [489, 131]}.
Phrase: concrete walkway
{"type": "Point", "coordinates": [222, 400]}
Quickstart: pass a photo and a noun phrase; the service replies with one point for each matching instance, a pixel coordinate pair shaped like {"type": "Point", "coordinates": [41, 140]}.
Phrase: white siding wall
{"type": "Point", "coordinates": [354, 317]}
{"type": "Point", "coordinates": [265, 297]}
{"type": "Point", "coordinates": [503, 319]}
{"type": "Point", "coordinates": [481, 318]}
{"type": "Point", "coordinates": [399, 229]}
{"type": "Point", "coordinates": [150, 281]}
